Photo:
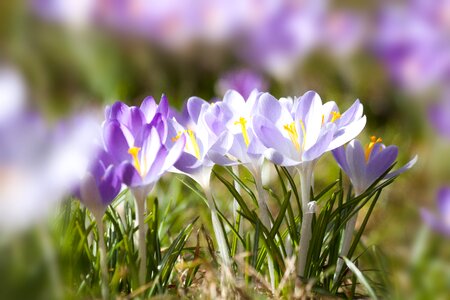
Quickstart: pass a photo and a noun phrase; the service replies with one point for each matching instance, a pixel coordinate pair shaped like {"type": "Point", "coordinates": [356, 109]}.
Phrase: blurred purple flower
{"type": "Point", "coordinates": [439, 116]}
{"type": "Point", "coordinates": [413, 42]}
{"type": "Point", "coordinates": [101, 184]}
{"type": "Point", "coordinates": [365, 165]}
{"type": "Point", "coordinates": [440, 222]}
{"type": "Point", "coordinates": [242, 81]}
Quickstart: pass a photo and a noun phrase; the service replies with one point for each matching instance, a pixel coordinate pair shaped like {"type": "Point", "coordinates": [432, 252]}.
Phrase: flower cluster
{"type": "Point", "coordinates": [140, 144]}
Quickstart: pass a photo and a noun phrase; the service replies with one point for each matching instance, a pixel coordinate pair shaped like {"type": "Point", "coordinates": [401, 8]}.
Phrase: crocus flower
{"type": "Point", "coordinates": [101, 184]}
{"type": "Point", "coordinates": [365, 165]}
{"type": "Point", "coordinates": [39, 164]}
{"type": "Point", "coordinates": [136, 138]}
{"type": "Point", "coordinates": [439, 116]}
{"type": "Point", "coordinates": [412, 40]}
{"type": "Point", "coordinates": [303, 136]}
{"type": "Point", "coordinates": [298, 138]}
{"type": "Point", "coordinates": [207, 142]}
{"type": "Point", "coordinates": [440, 222]}
{"type": "Point", "coordinates": [207, 139]}
{"type": "Point", "coordinates": [243, 81]}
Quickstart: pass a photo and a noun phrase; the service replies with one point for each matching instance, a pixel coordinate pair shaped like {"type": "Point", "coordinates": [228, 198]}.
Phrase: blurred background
{"type": "Point", "coordinates": [62, 61]}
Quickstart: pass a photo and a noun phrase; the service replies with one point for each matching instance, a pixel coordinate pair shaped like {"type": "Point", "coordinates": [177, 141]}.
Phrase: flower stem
{"type": "Point", "coordinates": [141, 211]}
{"type": "Point", "coordinates": [218, 232]}
{"type": "Point", "coordinates": [264, 213]}
{"type": "Point", "coordinates": [103, 256]}
{"type": "Point", "coordinates": [308, 209]}
{"type": "Point", "coordinates": [235, 203]}
{"type": "Point", "coordinates": [348, 234]}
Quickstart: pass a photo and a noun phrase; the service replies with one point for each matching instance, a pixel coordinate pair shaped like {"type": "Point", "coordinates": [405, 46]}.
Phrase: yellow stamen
{"type": "Point", "coordinates": [336, 115]}
{"type": "Point", "coordinates": [323, 119]}
{"type": "Point", "coordinates": [242, 121]}
{"type": "Point", "coordinates": [304, 133]}
{"type": "Point", "coordinates": [373, 141]}
{"type": "Point", "coordinates": [175, 138]}
{"type": "Point", "coordinates": [194, 143]}
{"type": "Point", "coordinates": [293, 135]}
{"type": "Point", "coordinates": [134, 151]}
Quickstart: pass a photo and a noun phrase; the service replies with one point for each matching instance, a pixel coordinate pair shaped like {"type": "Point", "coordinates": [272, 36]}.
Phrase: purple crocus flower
{"type": "Point", "coordinates": [101, 184]}
{"type": "Point", "coordinates": [440, 222]}
{"type": "Point", "coordinates": [207, 139]}
{"type": "Point", "coordinates": [365, 165]}
{"type": "Point", "coordinates": [413, 42]}
{"type": "Point", "coordinates": [137, 140]}
{"type": "Point", "coordinates": [297, 134]}
{"type": "Point", "coordinates": [242, 81]}
{"type": "Point", "coordinates": [293, 138]}
{"type": "Point", "coordinates": [439, 116]}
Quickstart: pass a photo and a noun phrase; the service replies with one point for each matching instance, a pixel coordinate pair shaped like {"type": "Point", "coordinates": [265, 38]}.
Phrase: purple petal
{"type": "Point", "coordinates": [434, 222]}
{"type": "Point", "coordinates": [194, 107]}
{"type": "Point", "coordinates": [280, 159]}
{"type": "Point", "coordinates": [148, 108]}
{"type": "Point", "coordinates": [175, 152]}
{"type": "Point", "coordinates": [341, 159]}
{"type": "Point", "coordinates": [380, 163]}
{"type": "Point", "coordinates": [270, 136]}
{"type": "Point", "coordinates": [305, 103]}
{"type": "Point", "coordinates": [357, 165]}
{"type": "Point", "coordinates": [353, 113]}
{"type": "Point", "coordinates": [156, 169]}
{"type": "Point", "coordinates": [129, 174]}
{"type": "Point", "coordinates": [406, 167]}
{"type": "Point", "coordinates": [109, 185]}
{"type": "Point", "coordinates": [115, 141]}
{"type": "Point", "coordinates": [347, 133]}
{"type": "Point", "coordinates": [443, 202]}
{"type": "Point", "coordinates": [163, 107]}
{"type": "Point", "coordinates": [136, 120]}
{"type": "Point", "coordinates": [321, 145]}
{"type": "Point", "coordinates": [269, 107]}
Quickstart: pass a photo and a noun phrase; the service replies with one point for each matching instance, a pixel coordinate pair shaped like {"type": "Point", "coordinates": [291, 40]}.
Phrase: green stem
{"type": "Point", "coordinates": [308, 209]}
{"type": "Point", "coordinates": [264, 213]}
{"type": "Point", "coordinates": [103, 256]}
{"type": "Point", "coordinates": [218, 232]}
{"type": "Point", "coordinates": [141, 212]}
